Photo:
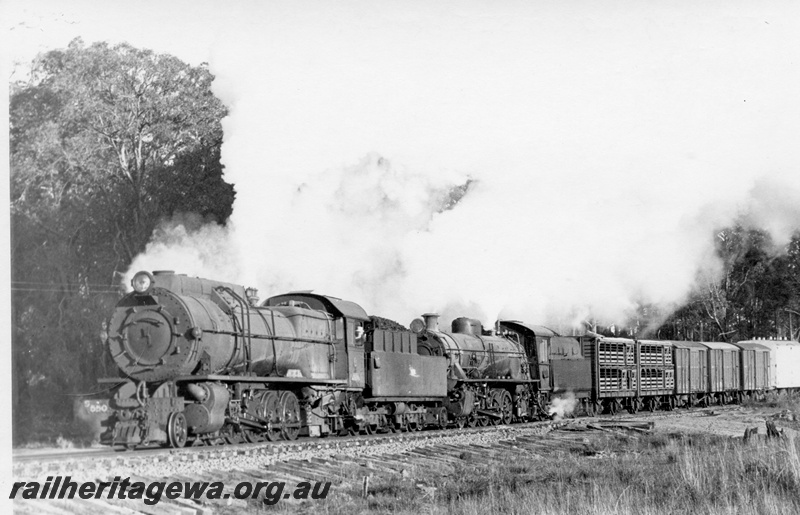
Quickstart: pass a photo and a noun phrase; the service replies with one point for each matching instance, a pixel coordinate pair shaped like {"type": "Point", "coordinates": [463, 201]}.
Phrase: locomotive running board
{"type": "Point", "coordinates": [514, 381]}
{"type": "Point", "coordinates": [403, 399]}
{"type": "Point", "coordinates": [257, 379]}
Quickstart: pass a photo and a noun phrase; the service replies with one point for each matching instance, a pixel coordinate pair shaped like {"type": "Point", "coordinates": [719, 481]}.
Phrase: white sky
{"type": "Point", "coordinates": [586, 124]}
{"type": "Point", "coordinates": [608, 138]}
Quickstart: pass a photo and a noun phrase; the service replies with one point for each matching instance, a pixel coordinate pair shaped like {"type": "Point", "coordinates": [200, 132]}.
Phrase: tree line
{"type": "Point", "coordinates": [753, 292]}
{"type": "Point", "coordinates": [756, 294]}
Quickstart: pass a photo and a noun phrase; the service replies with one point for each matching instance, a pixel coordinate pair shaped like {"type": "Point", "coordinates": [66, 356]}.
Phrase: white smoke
{"type": "Point", "coordinates": [602, 159]}
{"type": "Point", "coordinates": [562, 406]}
{"type": "Point", "coordinates": [186, 245]}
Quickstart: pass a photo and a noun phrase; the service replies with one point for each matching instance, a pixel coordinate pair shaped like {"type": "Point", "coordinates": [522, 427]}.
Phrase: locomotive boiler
{"type": "Point", "coordinates": [174, 325]}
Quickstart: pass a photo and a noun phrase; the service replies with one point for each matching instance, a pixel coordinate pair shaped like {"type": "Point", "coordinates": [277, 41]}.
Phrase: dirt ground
{"type": "Point", "coordinates": [731, 421]}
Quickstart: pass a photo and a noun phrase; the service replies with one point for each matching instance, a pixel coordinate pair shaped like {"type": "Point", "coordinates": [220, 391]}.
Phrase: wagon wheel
{"type": "Point", "coordinates": [506, 407]}
{"type": "Point", "coordinates": [420, 422]}
{"type": "Point", "coordinates": [290, 415]}
{"type": "Point", "coordinates": [441, 419]}
{"type": "Point", "coordinates": [269, 410]}
{"type": "Point", "coordinates": [652, 404]}
{"type": "Point", "coordinates": [634, 405]}
{"type": "Point", "coordinates": [366, 428]}
{"type": "Point", "coordinates": [177, 430]}
{"type": "Point", "coordinates": [588, 407]}
{"type": "Point", "coordinates": [383, 425]}
{"type": "Point", "coordinates": [402, 425]}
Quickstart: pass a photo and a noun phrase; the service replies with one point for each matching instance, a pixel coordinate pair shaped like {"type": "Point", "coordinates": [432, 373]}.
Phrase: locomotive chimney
{"type": "Point", "coordinates": [431, 321]}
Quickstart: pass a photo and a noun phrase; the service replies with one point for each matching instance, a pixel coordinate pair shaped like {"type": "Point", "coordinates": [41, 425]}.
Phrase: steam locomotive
{"type": "Point", "coordinates": [202, 362]}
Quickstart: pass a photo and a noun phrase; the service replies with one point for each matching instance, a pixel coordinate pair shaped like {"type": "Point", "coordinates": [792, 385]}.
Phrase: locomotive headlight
{"type": "Point", "coordinates": [417, 325]}
{"type": "Point", "coordinates": [142, 282]}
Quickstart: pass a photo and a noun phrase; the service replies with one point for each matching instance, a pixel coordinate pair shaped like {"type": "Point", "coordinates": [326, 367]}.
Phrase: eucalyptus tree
{"type": "Point", "coordinates": [105, 142]}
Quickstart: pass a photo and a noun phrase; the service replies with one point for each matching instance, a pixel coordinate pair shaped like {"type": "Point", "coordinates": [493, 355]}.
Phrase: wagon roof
{"type": "Point", "coordinates": [665, 343]}
{"type": "Point", "coordinates": [719, 345]}
{"type": "Point", "coordinates": [772, 344]}
{"type": "Point", "coordinates": [750, 345]}
{"type": "Point", "coordinates": [682, 344]}
{"type": "Point", "coordinates": [616, 340]}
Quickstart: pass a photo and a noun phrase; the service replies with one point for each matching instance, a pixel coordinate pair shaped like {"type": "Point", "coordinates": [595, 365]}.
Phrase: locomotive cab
{"type": "Point", "coordinates": [537, 343]}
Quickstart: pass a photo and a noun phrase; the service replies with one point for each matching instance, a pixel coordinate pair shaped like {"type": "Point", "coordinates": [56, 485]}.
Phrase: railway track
{"type": "Point", "coordinates": [27, 463]}
{"type": "Point", "coordinates": [345, 462]}
{"type": "Point", "coordinates": [57, 462]}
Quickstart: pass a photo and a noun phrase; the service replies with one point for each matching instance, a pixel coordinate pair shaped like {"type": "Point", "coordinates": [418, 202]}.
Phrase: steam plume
{"type": "Point", "coordinates": [562, 406]}
{"type": "Point", "coordinates": [590, 168]}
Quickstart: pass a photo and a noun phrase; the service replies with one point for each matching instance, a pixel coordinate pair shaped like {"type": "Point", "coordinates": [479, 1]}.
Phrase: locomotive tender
{"type": "Point", "coordinates": [201, 363]}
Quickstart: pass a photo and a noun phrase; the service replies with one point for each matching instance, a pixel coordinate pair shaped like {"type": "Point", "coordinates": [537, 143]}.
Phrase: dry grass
{"type": "Point", "coordinates": [613, 475]}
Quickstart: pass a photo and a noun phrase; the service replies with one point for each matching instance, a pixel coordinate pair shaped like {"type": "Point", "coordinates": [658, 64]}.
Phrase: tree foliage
{"type": "Point", "coordinates": [755, 294]}
{"type": "Point", "coordinates": [105, 143]}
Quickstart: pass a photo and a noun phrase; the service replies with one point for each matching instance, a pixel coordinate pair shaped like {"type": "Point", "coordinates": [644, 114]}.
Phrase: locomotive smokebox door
{"type": "Point", "coordinates": [148, 336]}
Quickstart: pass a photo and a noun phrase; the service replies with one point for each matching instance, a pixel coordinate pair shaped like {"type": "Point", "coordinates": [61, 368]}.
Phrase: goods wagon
{"type": "Point", "coordinates": [656, 375]}
{"type": "Point", "coordinates": [755, 369]}
{"type": "Point", "coordinates": [723, 371]}
{"type": "Point", "coordinates": [691, 372]}
{"type": "Point", "coordinates": [784, 363]}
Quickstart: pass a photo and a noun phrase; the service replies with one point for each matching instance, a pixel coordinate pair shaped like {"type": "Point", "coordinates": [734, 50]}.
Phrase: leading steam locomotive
{"type": "Point", "coordinates": [201, 362]}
